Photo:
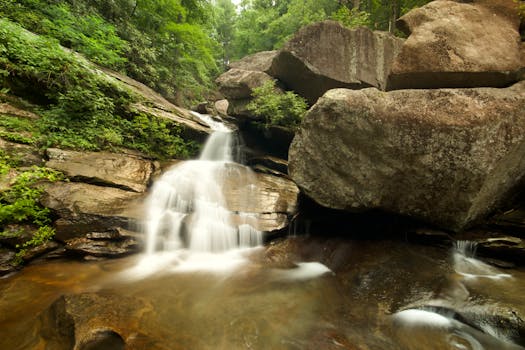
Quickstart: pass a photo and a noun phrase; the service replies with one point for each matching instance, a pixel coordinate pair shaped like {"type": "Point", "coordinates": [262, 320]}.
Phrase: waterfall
{"type": "Point", "coordinates": [466, 264]}
{"type": "Point", "coordinates": [187, 207]}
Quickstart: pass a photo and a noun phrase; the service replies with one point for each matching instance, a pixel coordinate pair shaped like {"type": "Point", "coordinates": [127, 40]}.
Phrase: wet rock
{"type": "Point", "coordinates": [109, 169]}
{"type": "Point", "coordinates": [16, 234]}
{"type": "Point", "coordinates": [271, 194]}
{"type": "Point", "coordinates": [102, 248]}
{"type": "Point", "coordinates": [102, 339]}
{"type": "Point", "coordinates": [7, 265]}
{"type": "Point", "coordinates": [445, 156]}
{"type": "Point", "coordinates": [238, 84]}
{"type": "Point", "coordinates": [41, 249]}
{"type": "Point", "coordinates": [260, 61]}
{"type": "Point", "coordinates": [327, 55]}
{"type": "Point", "coordinates": [84, 208]}
{"type": "Point", "coordinates": [276, 164]}
{"type": "Point", "coordinates": [96, 321]}
{"type": "Point", "coordinates": [22, 155]}
{"type": "Point", "coordinates": [429, 236]}
{"type": "Point", "coordinates": [506, 248]}
{"type": "Point", "coordinates": [457, 44]}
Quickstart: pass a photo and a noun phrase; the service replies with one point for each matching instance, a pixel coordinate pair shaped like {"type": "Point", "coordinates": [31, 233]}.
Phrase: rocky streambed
{"type": "Point", "coordinates": [281, 298]}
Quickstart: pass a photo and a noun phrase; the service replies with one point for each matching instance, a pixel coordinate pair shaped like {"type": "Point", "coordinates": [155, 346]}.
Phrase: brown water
{"type": "Point", "coordinates": [269, 304]}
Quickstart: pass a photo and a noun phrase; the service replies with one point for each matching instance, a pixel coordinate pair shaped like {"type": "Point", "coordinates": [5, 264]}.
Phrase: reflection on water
{"type": "Point", "coordinates": [301, 293]}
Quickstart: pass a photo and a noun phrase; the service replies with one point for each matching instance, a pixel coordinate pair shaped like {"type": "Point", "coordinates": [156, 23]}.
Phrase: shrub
{"type": "Point", "coordinates": [277, 108]}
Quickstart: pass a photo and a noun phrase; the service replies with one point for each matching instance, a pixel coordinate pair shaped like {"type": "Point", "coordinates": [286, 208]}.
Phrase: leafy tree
{"type": "Point", "coordinates": [225, 27]}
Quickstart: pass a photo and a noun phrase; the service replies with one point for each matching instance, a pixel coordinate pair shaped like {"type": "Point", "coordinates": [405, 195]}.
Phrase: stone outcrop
{"type": "Point", "coordinates": [446, 156]}
{"type": "Point", "coordinates": [109, 169]}
{"type": "Point", "coordinates": [327, 55]}
{"type": "Point", "coordinates": [84, 208]}
{"type": "Point", "coordinates": [156, 105]}
{"type": "Point", "coordinates": [459, 44]}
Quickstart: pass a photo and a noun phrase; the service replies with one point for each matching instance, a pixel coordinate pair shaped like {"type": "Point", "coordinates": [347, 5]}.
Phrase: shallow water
{"type": "Point", "coordinates": [365, 295]}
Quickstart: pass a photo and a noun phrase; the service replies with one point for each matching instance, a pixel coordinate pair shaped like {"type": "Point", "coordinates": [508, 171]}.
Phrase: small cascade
{"type": "Point", "coordinates": [466, 264]}
{"type": "Point", "coordinates": [187, 208]}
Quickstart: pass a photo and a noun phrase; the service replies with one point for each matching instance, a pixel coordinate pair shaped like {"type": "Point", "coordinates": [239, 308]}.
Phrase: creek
{"type": "Point", "coordinates": [206, 281]}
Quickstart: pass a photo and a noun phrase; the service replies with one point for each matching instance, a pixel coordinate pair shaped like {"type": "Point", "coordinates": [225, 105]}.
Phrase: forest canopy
{"type": "Point", "coordinates": [178, 47]}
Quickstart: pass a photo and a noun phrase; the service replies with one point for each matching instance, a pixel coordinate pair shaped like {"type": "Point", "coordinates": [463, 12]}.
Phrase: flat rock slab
{"type": "Point", "coordinates": [84, 208]}
{"type": "Point", "coordinates": [446, 156]}
{"type": "Point", "coordinates": [110, 169]}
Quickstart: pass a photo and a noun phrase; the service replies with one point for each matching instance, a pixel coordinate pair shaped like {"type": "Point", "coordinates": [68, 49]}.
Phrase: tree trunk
{"type": "Point", "coordinates": [394, 13]}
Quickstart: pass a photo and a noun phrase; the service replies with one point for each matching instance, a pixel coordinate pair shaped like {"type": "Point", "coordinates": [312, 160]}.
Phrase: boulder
{"type": "Point", "coordinates": [221, 106]}
{"type": "Point", "coordinates": [109, 169]}
{"type": "Point", "coordinates": [238, 84]}
{"type": "Point", "coordinates": [327, 55]}
{"type": "Point", "coordinates": [260, 61]}
{"type": "Point", "coordinates": [84, 208]}
{"type": "Point", "coordinates": [459, 44]}
{"type": "Point", "coordinates": [446, 156]}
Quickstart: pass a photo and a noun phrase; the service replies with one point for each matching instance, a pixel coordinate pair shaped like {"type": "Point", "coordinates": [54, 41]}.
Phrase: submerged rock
{"type": "Point", "coordinates": [96, 321]}
{"type": "Point", "coordinates": [84, 208]}
{"type": "Point", "coordinates": [327, 55]}
{"type": "Point", "coordinates": [459, 44]}
{"type": "Point", "coordinates": [445, 156]}
{"type": "Point", "coordinates": [110, 169]}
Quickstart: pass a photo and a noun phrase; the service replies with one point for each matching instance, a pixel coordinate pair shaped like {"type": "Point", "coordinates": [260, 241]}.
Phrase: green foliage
{"type": "Point", "coordinates": [277, 108]}
{"type": "Point", "coordinates": [43, 234]}
{"type": "Point", "coordinates": [19, 203]}
{"type": "Point", "coordinates": [84, 109]}
{"type": "Point", "coordinates": [352, 17]}
{"type": "Point", "coordinates": [166, 44]}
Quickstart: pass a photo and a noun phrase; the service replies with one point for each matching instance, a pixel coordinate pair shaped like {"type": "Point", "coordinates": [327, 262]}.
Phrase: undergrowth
{"type": "Point", "coordinates": [277, 108]}
{"type": "Point", "coordinates": [81, 107]}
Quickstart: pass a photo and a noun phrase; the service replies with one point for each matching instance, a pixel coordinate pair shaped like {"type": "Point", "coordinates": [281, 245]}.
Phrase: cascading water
{"type": "Point", "coordinates": [187, 208]}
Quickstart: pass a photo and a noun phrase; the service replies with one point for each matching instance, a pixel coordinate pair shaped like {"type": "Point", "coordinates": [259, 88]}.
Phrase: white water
{"type": "Point", "coordinates": [188, 212]}
{"type": "Point", "coordinates": [466, 264]}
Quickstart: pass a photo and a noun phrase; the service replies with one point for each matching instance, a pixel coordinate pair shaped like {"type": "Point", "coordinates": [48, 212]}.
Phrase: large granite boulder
{"type": "Point", "coordinates": [459, 44]}
{"type": "Point", "coordinates": [446, 156]}
{"type": "Point", "coordinates": [110, 169]}
{"type": "Point", "coordinates": [260, 61]}
{"type": "Point", "coordinates": [327, 55]}
{"type": "Point", "coordinates": [238, 84]}
{"type": "Point", "coordinates": [84, 208]}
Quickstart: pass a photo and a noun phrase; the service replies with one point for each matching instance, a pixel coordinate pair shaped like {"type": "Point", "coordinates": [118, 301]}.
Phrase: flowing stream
{"type": "Point", "coordinates": [206, 282]}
